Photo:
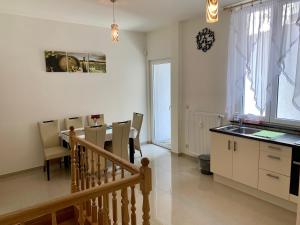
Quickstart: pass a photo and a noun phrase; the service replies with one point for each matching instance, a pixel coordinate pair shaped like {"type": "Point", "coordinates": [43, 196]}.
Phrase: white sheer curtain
{"type": "Point", "coordinates": [263, 45]}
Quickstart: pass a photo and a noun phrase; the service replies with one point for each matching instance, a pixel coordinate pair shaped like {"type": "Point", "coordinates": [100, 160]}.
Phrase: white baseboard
{"type": "Point", "coordinates": [291, 206]}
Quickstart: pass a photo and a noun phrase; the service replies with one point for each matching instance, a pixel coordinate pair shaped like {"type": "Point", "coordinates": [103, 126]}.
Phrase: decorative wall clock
{"type": "Point", "coordinates": [205, 39]}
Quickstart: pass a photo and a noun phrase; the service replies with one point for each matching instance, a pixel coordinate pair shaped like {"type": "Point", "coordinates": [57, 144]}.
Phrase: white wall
{"type": "Point", "coordinates": [165, 44]}
{"type": "Point", "coordinates": [28, 94]}
{"type": "Point", "coordinates": [200, 77]}
{"type": "Point", "coordinates": [204, 74]}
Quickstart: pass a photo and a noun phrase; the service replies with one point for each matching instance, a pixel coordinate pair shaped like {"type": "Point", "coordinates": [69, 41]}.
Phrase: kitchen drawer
{"type": "Point", "coordinates": [274, 184]}
{"type": "Point", "coordinates": [280, 149]}
{"type": "Point", "coordinates": [275, 161]}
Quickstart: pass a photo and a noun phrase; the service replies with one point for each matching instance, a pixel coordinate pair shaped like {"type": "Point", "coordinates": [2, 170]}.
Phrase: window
{"type": "Point", "coordinates": [285, 107]}
{"type": "Point", "coordinates": [250, 106]}
{"type": "Point", "coordinates": [264, 53]}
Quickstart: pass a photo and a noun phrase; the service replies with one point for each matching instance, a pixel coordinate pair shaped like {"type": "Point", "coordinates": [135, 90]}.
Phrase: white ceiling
{"type": "Point", "coordinates": [137, 15]}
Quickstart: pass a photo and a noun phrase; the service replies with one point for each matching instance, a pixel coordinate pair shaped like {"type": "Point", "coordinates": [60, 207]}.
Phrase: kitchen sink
{"type": "Point", "coordinates": [245, 130]}
{"type": "Point", "coordinates": [239, 129]}
{"type": "Point", "coordinates": [228, 127]}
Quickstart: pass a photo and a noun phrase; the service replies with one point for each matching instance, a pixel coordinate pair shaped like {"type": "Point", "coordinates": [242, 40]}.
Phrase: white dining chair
{"type": "Point", "coordinates": [76, 122]}
{"type": "Point", "coordinates": [95, 120]}
{"type": "Point", "coordinates": [95, 135]}
{"type": "Point", "coordinates": [49, 131]}
{"type": "Point", "coordinates": [120, 139]}
{"type": "Point", "coordinates": [137, 124]}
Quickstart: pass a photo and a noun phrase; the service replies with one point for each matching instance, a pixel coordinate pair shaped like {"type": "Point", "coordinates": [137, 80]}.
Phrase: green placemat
{"type": "Point", "coordinates": [268, 134]}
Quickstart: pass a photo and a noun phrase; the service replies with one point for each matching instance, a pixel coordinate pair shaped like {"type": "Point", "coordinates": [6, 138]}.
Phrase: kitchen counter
{"type": "Point", "coordinates": [286, 139]}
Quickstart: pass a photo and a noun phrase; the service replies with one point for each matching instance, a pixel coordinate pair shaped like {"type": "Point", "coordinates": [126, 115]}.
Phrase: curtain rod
{"type": "Point", "coordinates": [241, 3]}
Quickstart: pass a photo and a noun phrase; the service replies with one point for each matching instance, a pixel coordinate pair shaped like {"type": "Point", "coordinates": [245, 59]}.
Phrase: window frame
{"type": "Point", "coordinates": [271, 109]}
{"type": "Point", "coordinates": [274, 106]}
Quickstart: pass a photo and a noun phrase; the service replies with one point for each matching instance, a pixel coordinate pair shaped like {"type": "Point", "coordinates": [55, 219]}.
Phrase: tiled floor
{"type": "Point", "coordinates": [165, 144]}
{"type": "Point", "coordinates": [180, 196]}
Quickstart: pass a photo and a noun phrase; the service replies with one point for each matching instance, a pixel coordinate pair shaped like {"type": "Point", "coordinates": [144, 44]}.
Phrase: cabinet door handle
{"type": "Point", "coordinates": [273, 176]}
{"type": "Point", "coordinates": [296, 163]}
{"type": "Point", "coordinates": [234, 146]}
{"type": "Point", "coordinates": [274, 148]}
{"type": "Point", "coordinates": [229, 145]}
{"type": "Point", "coordinates": [274, 157]}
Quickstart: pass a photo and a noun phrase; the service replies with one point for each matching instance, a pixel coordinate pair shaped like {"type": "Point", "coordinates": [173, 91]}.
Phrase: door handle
{"type": "Point", "coordinates": [234, 146]}
{"type": "Point", "coordinates": [274, 148]}
{"type": "Point", "coordinates": [275, 157]}
{"type": "Point", "coordinates": [296, 163]}
{"type": "Point", "coordinates": [273, 176]}
{"type": "Point", "coordinates": [229, 145]}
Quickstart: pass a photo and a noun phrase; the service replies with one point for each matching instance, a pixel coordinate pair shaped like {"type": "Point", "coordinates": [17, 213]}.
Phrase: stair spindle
{"type": "Point", "coordinates": [54, 221]}
{"type": "Point", "coordinates": [146, 187]}
{"type": "Point", "coordinates": [73, 160]}
{"type": "Point", "coordinates": [82, 170]}
{"type": "Point", "coordinates": [114, 198]}
{"type": "Point", "coordinates": [106, 199]}
{"type": "Point", "coordinates": [81, 214]}
{"type": "Point", "coordinates": [133, 207]}
{"type": "Point", "coordinates": [125, 202]}
{"type": "Point", "coordinates": [94, 206]}
{"type": "Point", "coordinates": [100, 204]}
{"type": "Point", "coordinates": [88, 202]}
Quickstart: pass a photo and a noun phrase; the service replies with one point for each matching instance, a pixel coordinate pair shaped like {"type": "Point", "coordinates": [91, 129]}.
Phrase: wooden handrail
{"type": "Point", "coordinates": [106, 154]}
{"type": "Point", "coordinates": [91, 189]}
{"type": "Point", "coordinates": [51, 206]}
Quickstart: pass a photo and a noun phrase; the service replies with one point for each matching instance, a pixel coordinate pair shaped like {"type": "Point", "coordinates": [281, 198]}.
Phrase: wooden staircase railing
{"type": "Point", "coordinates": [100, 183]}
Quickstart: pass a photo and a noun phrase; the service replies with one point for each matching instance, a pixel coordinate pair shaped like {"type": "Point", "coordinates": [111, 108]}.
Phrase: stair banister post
{"type": "Point", "coordinates": [72, 136]}
{"type": "Point", "coordinates": [146, 188]}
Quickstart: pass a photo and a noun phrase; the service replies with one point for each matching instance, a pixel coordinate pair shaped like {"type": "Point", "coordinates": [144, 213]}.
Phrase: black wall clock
{"type": "Point", "coordinates": [205, 39]}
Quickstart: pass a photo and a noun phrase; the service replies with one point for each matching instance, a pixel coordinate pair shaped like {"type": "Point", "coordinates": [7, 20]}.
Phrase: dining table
{"type": "Point", "coordinates": [80, 133]}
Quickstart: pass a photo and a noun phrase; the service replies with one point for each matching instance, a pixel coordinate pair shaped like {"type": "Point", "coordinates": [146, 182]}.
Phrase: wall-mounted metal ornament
{"type": "Point", "coordinates": [205, 39]}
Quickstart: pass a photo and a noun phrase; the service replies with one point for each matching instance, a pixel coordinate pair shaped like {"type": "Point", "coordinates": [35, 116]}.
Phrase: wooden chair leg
{"type": "Point", "coordinates": [66, 161]}
{"type": "Point", "coordinates": [48, 170]}
{"type": "Point", "coordinates": [44, 167]}
{"type": "Point", "coordinates": [141, 152]}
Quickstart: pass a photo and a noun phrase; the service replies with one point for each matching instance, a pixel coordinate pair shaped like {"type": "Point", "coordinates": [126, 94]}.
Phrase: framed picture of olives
{"type": "Point", "coordinates": [72, 62]}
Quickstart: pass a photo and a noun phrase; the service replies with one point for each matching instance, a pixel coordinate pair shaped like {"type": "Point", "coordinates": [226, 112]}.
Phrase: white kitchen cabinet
{"type": "Point", "coordinates": [276, 161]}
{"type": "Point", "coordinates": [263, 166]}
{"type": "Point", "coordinates": [235, 158]}
{"type": "Point", "coordinates": [221, 154]}
{"type": "Point", "coordinates": [245, 161]}
{"type": "Point", "coordinates": [274, 183]}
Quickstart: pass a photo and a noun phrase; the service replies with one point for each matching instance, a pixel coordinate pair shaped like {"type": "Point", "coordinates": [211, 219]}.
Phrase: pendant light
{"type": "Point", "coordinates": [114, 26]}
{"type": "Point", "coordinates": [212, 11]}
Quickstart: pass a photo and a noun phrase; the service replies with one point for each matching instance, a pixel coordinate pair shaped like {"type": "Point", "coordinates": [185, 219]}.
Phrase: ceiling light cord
{"type": "Point", "coordinates": [114, 25]}
{"type": "Point", "coordinates": [114, 18]}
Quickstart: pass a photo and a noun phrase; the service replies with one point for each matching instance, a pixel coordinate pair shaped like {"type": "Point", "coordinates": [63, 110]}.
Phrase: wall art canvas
{"type": "Point", "coordinates": [78, 62]}
{"type": "Point", "coordinates": [97, 63]}
{"type": "Point", "coordinates": [73, 62]}
{"type": "Point", "coordinates": [56, 61]}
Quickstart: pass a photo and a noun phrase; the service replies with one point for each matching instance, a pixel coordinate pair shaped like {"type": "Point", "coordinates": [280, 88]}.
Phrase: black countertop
{"type": "Point", "coordinates": [286, 139]}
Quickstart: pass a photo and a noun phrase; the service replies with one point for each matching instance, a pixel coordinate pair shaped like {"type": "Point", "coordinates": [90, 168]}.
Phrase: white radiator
{"type": "Point", "coordinates": [197, 131]}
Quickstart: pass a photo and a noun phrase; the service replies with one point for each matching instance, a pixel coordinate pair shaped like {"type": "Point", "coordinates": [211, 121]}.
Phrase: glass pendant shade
{"type": "Point", "coordinates": [115, 32]}
{"type": "Point", "coordinates": [212, 11]}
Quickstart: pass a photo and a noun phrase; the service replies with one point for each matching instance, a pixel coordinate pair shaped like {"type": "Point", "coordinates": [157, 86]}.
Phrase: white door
{"type": "Point", "coordinates": [161, 103]}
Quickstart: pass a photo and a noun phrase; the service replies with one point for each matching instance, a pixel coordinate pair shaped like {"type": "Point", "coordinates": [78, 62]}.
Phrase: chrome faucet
{"type": "Point", "coordinates": [240, 121]}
